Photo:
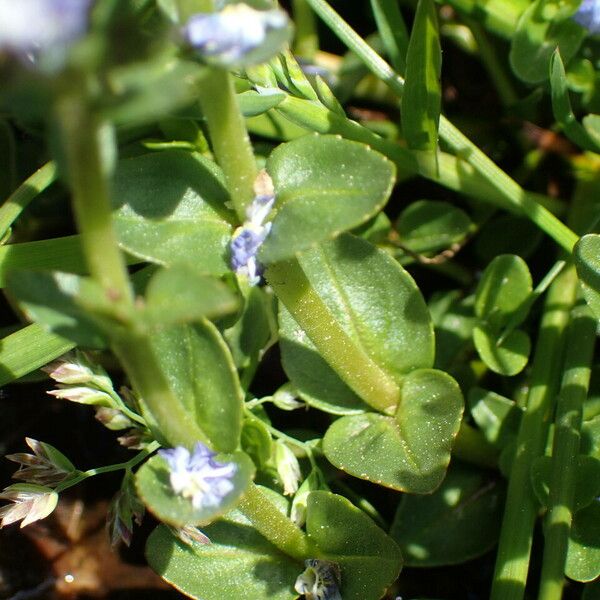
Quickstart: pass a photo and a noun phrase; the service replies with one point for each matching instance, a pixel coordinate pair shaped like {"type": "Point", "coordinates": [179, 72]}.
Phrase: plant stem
{"type": "Point", "coordinates": [229, 137]}
{"type": "Point", "coordinates": [567, 433]}
{"type": "Point", "coordinates": [350, 361]}
{"type": "Point", "coordinates": [306, 39]}
{"type": "Point", "coordinates": [82, 132]}
{"type": "Point", "coordinates": [24, 194]}
{"type": "Point", "coordinates": [84, 138]}
{"type": "Point", "coordinates": [521, 508]}
{"type": "Point", "coordinates": [275, 526]}
{"type": "Point", "coordinates": [464, 149]}
{"type": "Point", "coordinates": [138, 458]}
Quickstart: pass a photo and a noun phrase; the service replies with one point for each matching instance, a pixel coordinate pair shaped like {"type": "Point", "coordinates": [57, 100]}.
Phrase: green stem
{"type": "Point", "coordinates": [306, 38]}
{"type": "Point", "coordinates": [229, 137]}
{"type": "Point", "coordinates": [164, 414]}
{"type": "Point", "coordinates": [392, 30]}
{"type": "Point", "coordinates": [275, 526]}
{"type": "Point", "coordinates": [350, 361]}
{"type": "Point", "coordinates": [464, 149]}
{"type": "Point", "coordinates": [85, 138]}
{"type": "Point", "coordinates": [24, 194]}
{"type": "Point", "coordinates": [512, 563]}
{"type": "Point", "coordinates": [138, 458]}
{"type": "Point", "coordinates": [489, 58]}
{"type": "Point", "coordinates": [567, 433]}
{"type": "Point", "coordinates": [453, 173]}
{"type": "Point", "coordinates": [83, 133]}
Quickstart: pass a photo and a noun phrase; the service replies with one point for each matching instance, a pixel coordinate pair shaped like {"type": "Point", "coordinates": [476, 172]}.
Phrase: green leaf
{"type": "Point", "coordinates": [253, 103]}
{"type": "Point", "coordinates": [54, 301]}
{"type": "Point", "coordinates": [369, 559]}
{"type": "Point", "coordinates": [591, 124]}
{"type": "Point", "coordinates": [325, 185]}
{"type": "Point", "coordinates": [180, 294]}
{"type": "Point", "coordinates": [170, 208]}
{"type": "Point", "coordinates": [29, 349]}
{"type": "Point", "coordinates": [431, 226]}
{"type": "Point", "coordinates": [507, 358]}
{"type": "Point", "coordinates": [239, 563]}
{"type": "Point", "coordinates": [362, 311]}
{"type": "Point", "coordinates": [563, 113]}
{"type": "Point", "coordinates": [410, 451]}
{"type": "Point", "coordinates": [587, 262]}
{"type": "Point", "coordinates": [535, 40]}
{"type": "Point", "coordinates": [201, 373]}
{"type": "Point", "coordinates": [453, 319]}
{"type": "Point", "coordinates": [315, 381]}
{"type": "Point", "coordinates": [587, 484]}
{"type": "Point", "coordinates": [252, 331]}
{"type": "Point", "coordinates": [505, 285]}
{"type": "Point", "coordinates": [422, 97]}
{"type": "Point", "coordinates": [256, 441]}
{"type": "Point", "coordinates": [458, 522]}
{"type": "Point", "coordinates": [154, 488]}
{"type": "Point", "coordinates": [497, 417]}
{"type": "Point", "coordinates": [583, 556]}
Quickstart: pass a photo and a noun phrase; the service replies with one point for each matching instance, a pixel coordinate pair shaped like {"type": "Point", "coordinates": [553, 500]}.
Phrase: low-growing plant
{"type": "Point", "coordinates": [339, 337]}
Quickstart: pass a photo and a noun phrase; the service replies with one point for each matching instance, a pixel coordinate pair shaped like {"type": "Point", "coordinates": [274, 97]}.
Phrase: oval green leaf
{"type": "Point", "coordinates": [170, 208]}
{"type": "Point", "coordinates": [431, 226]}
{"type": "Point", "coordinates": [325, 185]}
{"type": "Point", "coordinates": [535, 40]}
{"type": "Point", "coordinates": [315, 381]}
{"type": "Point", "coordinates": [362, 311]}
{"type": "Point", "coordinates": [583, 555]}
{"type": "Point", "coordinates": [54, 301]}
{"type": "Point", "coordinates": [181, 294]}
{"type": "Point", "coordinates": [410, 451]}
{"type": "Point", "coordinates": [201, 373]}
{"type": "Point", "coordinates": [508, 358]}
{"type": "Point", "coordinates": [238, 563]}
{"type": "Point", "coordinates": [587, 262]}
{"type": "Point", "coordinates": [155, 490]}
{"type": "Point", "coordinates": [505, 285]}
{"type": "Point", "coordinates": [369, 559]}
{"type": "Point", "coordinates": [458, 522]}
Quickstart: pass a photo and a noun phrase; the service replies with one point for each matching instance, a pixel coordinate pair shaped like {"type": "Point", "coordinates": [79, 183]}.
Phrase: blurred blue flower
{"type": "Point", "coordinates": [248, 238]}
{"type": "Point", "coordinates": [588, 15]}
{"type": "Point", "coordinates": [198, 476]}
{"type": "Point", "coordinates": [238, 35]}
{"type": "Point", "coordinates": [29, 28]}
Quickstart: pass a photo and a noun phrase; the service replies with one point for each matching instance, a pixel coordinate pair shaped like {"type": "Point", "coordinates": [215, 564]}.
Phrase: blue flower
{"type": "Point", "coordinates": [238, 35]}
{"type": "Point", "coordinates": [320, 580]}
{"type": "Point", "coordinates": [248, 238]}
{"type": "Point", "coordinates": [198, 476]}
{"type": "Point", "coordinates": [29, 28]}
{"type": "Point", "coordinates": [588, 15]}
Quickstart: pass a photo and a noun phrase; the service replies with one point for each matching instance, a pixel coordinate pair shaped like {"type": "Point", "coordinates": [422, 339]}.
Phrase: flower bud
{"type": "Point", "coordinates": [288, 468]}
{"type": "Point", "coordinates": [320, 580]}
{"type": "Point", "coordinates": [82, 395]}
{"type": "Point", "coordinates": [31, 503]}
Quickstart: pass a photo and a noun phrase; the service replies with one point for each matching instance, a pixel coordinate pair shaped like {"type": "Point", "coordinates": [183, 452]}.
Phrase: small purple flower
{"type": "Point", "coordinates": [29, 28]}
{"type": "Point", "coordinates": [235, 35]}
{"type": "Point", "coordinates": [248, 238]}
{"type": "Point", "coordinates": [588, 15]}
{"type": "Point", "coordinates": [198, 476]}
